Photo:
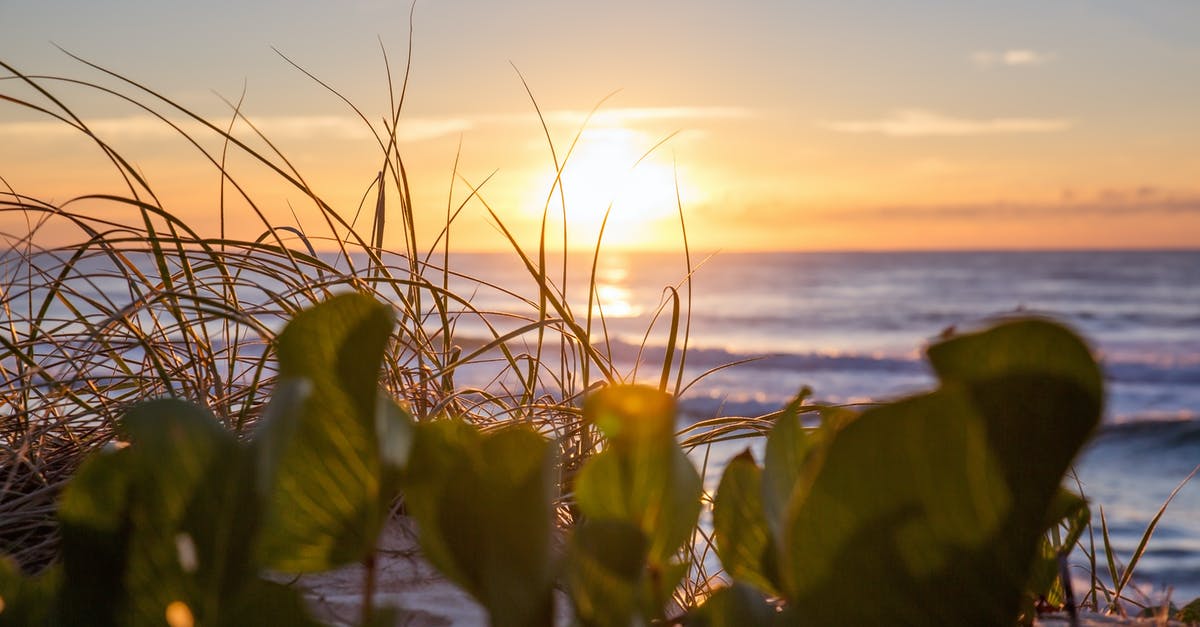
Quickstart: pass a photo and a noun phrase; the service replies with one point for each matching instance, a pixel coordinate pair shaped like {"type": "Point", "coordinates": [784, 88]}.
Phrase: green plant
{"type": "Point", "coordinates": [1120, 577]}
{"type": "Point", "coordinates": [179, 519]}
{"type": "Point", "coordinates": [927, 510]}
{"type": "Point", "coordinates": [1067, 519]}
{"type": "Point", "coordinates": [640, 499]}
{"type": "Point", "coordinates": [196, 308]}
{"type": "Point", "coordinates": [484, 504]}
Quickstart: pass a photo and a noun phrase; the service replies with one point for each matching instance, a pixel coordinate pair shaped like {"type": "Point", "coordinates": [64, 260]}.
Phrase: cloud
{"type": "Point", "coordinates": [1124, 202]}
{"type": "Point", "coordinates": [627, 116]}
{"type": "Point", "coordinates": [922, 123]}
{"type": "Point", "coordinates": [1017, 57]}
{"type": "Point", "coordinates": [411, 129]}
{"type": "Point", "coordinates": [274, 127]}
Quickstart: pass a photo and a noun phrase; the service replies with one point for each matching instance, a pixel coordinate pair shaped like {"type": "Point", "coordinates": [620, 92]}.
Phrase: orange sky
{"type": "Point", "coordinates": [869, 125]}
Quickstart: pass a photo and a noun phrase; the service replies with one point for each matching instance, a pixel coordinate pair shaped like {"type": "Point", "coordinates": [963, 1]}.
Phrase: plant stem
{"type": "Point", "coordinates": [368, 603]}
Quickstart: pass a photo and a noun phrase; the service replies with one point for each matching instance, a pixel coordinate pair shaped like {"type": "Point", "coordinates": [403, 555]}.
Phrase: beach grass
{"type": "Point", "coordinates": [138, 303]}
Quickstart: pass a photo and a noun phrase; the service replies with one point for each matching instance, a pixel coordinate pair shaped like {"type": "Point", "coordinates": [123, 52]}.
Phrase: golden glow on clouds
{"type": "Point", "coordinates": [1016, 57]}
{"type": "Point", "coordinates": [922, 123]}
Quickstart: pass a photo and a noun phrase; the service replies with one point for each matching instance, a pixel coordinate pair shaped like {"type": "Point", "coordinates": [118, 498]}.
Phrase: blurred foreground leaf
{"type": "Point", "coordinates": [320, 467]}
{"type": "Point", "coordinates": [1066, 520]}
{"type": "Point", "coordinates": [606, 563]}
{"type": "Point", "coordinates": [166, 522]}
{"type": "Point", "coordinates": [483, 503]}
{"type": "Point", "coordinates": [744, 540]}
{"type": "Point", "coordinates": [736, 605]}
{"type": "Point", "coordinates": [928, 510]}
{"type": "Point", "coordinates": [642, 479]}
{"type": "Point", "coordinates": [642, 476]}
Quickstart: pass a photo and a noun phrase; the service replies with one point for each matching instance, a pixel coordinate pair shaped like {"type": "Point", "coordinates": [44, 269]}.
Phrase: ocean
{"type": "Point", "coordinates": [852, 326]}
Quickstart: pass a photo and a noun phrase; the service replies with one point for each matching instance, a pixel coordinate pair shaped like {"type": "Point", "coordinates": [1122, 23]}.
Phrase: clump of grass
{"type": "Point", "coordinates": [1111, 586]}
{"type": "Point", "coordinates": [141, 304]}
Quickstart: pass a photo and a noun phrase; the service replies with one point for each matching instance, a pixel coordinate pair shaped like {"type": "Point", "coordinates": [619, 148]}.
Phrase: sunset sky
{"type": "Point", "coordinates": [856, 125]}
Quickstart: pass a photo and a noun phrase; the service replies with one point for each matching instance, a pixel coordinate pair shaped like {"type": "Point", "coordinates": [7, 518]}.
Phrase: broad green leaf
{"type": "Point", "coordinates": [643, 476]}
{"type": "Point", "coordinates": [395, 429]}
{"type": "Point", "coordinates": [737, 605]}
{"type": "Point", "coordinates": [167, 520]}
{"type": "Point", "coordinates": [605, 569]}
{"type": "Point", "coordinates": [262, 602]}
{"type": "Point", "coordinates": [787, 450]}
{"type": "Point", "coordinates": [484, 507]}
{"type": "Point", "coordinates": [496, 515]}
{"type": "Point", "coordinates": [632, 416]}
{"type": "Point", "coordinates": [1032, 346]}
{"type": "Point", "coordinates": [437, 448]}
{"type": "Point", "coordinates": [27, 600]}
{"type": "Point", "coordinates": [186, 472]}
{"type": "Point", "coordinates": [1071, 510]}
{"type": "Point", "coordinates": [92, 517]}
{"type": "Point", "coordinates": [658, 588]}
{"type": "Point", "coordinates": [1190, 612]}
{"type": "Point", "coordinates": [744, 540]}
{"type": "Point", "coordinates": [1067, 519]}
{"type": "Point", "coordinates": [944, 491]}
{"type": "Point", "coordinates": [320, 462]}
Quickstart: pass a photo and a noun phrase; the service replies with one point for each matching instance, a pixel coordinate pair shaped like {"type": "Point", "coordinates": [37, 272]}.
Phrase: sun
{"type": "Point", "coordinates": [613, 167]}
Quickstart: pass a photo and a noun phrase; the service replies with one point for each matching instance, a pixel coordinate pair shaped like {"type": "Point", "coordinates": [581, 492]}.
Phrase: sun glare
{"type": "Point", "coordinates": [604, 171]}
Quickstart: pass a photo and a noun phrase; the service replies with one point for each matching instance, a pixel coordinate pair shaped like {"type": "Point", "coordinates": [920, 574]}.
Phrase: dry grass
{"type": "Point", "coordinates": [143, 305]}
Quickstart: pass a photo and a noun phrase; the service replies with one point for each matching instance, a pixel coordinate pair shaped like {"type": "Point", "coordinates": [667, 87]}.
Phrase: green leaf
{"type": "Point", "coordinates": [947, 490]}
{"type": "Point", "coordinates": [788, 448]}
{"type": "Point", "coordinates": [396, 431]}
{"type": "Point", "coordinates": [395, 428]}
{"type": "Point", "coordinates": [643, 476]}
{"type": "Point", "coordinates": [186, 471]}
{"type": "Point", "coordinates": [744, 540]}
{"type": "Point", "coordinates": [320, 463]}
{"type": "Point", "coordinates": [734, 606]}
{"type": "Point", "coordinates": [605, 569]}
{"type": "Point", "coordinates": [484, 507]}
{"type": "Point", "coordinates": [168, 519]}
{"type": "Point", "coordinates": [658, 588]}
{"type": "Point", "coordinates": [27, 600]}
{"type": "Point", "coordinates": [1190, 612]}
{"type": "Point", "coordinates": [1068, 513]}
{"type": "Point", "coordinates": [94, 528]}
{"type": "Point", "coordinates": [1027, 347]}
{"type": "Point", "coordinates": [437, 448]}
{"type": "Point", "coordinates": [632, 416]}
{"type": "Point", "coordinates": [267, 603]}
{"type": "Point", "coordinates": [497, 517]}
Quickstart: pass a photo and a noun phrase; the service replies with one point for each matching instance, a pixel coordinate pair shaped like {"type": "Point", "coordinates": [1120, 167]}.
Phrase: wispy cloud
{"type": "Point", "coordinates": [1111, 202]}
{"type": "Point", "coordinates": [1017, 57]}
{"type": "Point", "coordinates": [411, 129]}
{"type": "Point", "coordinates": [634, 115]}
{"type": "Point", "coordinates": [274, 127]}
{"type": "Point", "coordinates": [922, 123]}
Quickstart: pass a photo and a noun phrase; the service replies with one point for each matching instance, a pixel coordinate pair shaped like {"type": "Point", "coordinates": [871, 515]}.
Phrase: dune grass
{"type": "Point", "coordinates": [145, 305]}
